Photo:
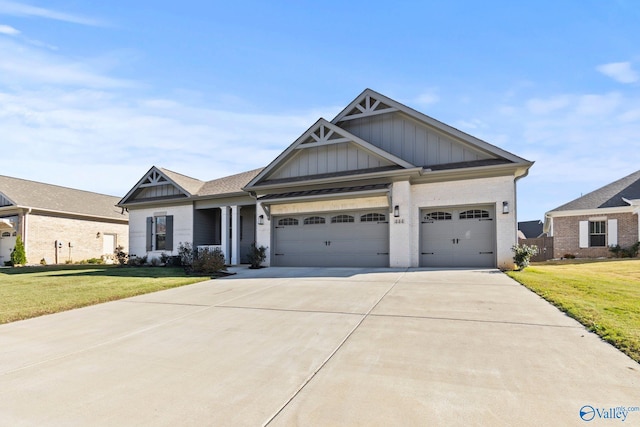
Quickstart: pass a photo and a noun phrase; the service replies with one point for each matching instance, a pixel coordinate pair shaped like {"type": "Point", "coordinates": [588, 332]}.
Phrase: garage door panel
{"type": "Point", "coordinates": [457, 237]}
{"type": "Point", "coordinates": [353, 239]}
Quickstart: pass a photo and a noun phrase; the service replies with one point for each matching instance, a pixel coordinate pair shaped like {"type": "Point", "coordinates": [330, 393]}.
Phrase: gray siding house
{"type": "Point", "coordinates": [380, 184]}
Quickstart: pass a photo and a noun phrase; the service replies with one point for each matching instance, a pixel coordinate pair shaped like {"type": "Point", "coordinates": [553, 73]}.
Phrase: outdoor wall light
{"type": "Point", "coordinates": [261, 220]}
{"type": "Point", "coordinates": [396, 211]}
{"type": "Point", "coordinates": [98, 235]}
{"type": "Point", "coordinates": [505, 207]}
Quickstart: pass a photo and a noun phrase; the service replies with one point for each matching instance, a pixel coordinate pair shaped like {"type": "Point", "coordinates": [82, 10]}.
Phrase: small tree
{"type": "Point", "coordinates": [18, 255]}
{"type": "Point", "coordinates": [522, 255]}
{"type": "Point", "coordinates": [257, 255]}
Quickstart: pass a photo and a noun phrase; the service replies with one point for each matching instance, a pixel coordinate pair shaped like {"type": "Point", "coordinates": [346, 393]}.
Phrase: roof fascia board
{"type": "Point", "coordinates": [157, 203]}
{"type": "Point", "coordinates": [517, 170]}
{"type": "Point", "coordinates": [70, 214]}
{"type": "Point", "coordinates": [595, 211]}
{"type": "Point", "coordinates": [402, 173]}
{"type": "Point", "coordinates": [432, 122]}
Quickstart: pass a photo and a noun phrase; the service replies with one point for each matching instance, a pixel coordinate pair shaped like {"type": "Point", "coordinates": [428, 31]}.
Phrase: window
{"type": "Point", "coordinates": [474, 214]}
{"type": "Point", "coordinates": [314, 220]}
{"type": "Point", "coordinates": [438, 216]}
{"type": "Point", "coordinates": [161, 232]}
{"type": "Point", "coordinates": [6, 234]}
{"type": "Point", "coordinates": [597, 233]}
{"type": "Point", "coordinates": [373, 217]}
{"type": "Point", "coordinates": [288, 221]}
{"type": "Point", "coordinates": [342, 218]}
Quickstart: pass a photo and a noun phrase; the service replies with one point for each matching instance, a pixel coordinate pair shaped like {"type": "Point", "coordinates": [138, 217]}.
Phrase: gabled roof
{"type": "Point", "coordinates": [322, 134]}
{"type": "Point", "coordinates": [184, 187]}
{"type": "Point", "coordinates": [609, 196]}
{"type": "Point", "coordinates": [53, 198]}
{"type": "Point", "coordinates": [371, 103]}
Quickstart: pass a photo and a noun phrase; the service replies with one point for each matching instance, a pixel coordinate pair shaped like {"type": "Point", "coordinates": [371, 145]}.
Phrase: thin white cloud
{"type": "Point", "coordinates": [23, 65]}
{"type": "Point", "coordinates": [13, 8]}
{"type": "Point", "coordinates": [8, 30]}
{"type": "Point", "coordinates": [549, 105]}
{"type": "Point", "coordinates": [619, 71]}
{"type": "Point", "coordinates": [427, 98]}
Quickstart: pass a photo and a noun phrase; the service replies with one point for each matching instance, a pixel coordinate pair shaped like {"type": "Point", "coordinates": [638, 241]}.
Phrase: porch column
{"type": "Point", "coordinates": [224, 233]}
{"type": "Point", "coordinates": [235, 235]}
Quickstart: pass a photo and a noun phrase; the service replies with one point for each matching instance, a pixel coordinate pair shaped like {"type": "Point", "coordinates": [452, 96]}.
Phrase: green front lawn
{"type": "Point", "coordinates": [33, 291]}
{"type": "Point", "coordinates": [604, 296]}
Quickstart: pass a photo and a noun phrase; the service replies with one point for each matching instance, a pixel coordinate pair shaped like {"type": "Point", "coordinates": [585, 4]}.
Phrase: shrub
{"type": "Point", "coordinates": [121, 256]}
{"type": "Point", "coordinates": [620, 252]}
{"type": "Point", "coordinates": [95, 261]}
{"type": "Point", "coordinates": [135, 261]}
{"type": "Point", "coordinates": [257, 255]}
{"type": "Point", "coordinates": [165, 258]}
{"type": "Point", "coordinates": [43, 261]}
{"type": "Point", "coordinates": [155, 262]}
{"type": "Point", "coordinates": [522, 255]}
{"type": "Point", "coordinates": [208, 262]}
{"type": "Point", "coordinates": [18, 255]}
{"type": "Point", "coordinates": [185, 253]}
{"type": "Point", "coordinates": [569, 256]}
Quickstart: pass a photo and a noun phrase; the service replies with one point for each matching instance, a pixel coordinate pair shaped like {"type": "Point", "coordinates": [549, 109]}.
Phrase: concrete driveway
{"type": "Point", "coordinates": [321, 347]}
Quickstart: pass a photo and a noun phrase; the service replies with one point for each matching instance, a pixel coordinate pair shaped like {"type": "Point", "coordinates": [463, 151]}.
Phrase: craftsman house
{"type": "Point", "coordinates": [58, 224]}
{"type": "Point", "coordinates": [587, 226]}
{"type": "Point", "coordinates": [380, 185]}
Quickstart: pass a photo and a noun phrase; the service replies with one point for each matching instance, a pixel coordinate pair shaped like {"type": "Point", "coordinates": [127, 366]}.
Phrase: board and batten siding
{"type": "Point", "coordinates": [409, 140]}
{"type": "Point", "coordinates": [340, 157]}
{"type": "Point", "coordinates": [166, 190]}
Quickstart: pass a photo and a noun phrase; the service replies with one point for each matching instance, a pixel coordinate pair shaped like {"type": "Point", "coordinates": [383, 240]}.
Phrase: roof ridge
{"type": "Point", "coordinates": [58, 186]}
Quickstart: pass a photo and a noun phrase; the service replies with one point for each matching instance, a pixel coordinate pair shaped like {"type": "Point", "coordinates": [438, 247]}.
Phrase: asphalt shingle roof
{"type": "Point", "coordinates": [38, 195]}
{"type": "Point", "coordinates": [609, 196]}
{"type": "Point", "coordinates": [228, 184]}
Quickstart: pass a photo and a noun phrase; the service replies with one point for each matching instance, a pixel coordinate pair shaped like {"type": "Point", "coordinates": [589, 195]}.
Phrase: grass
{"type": "Point", "coordinates": [602, 295]}
{"type": "Point", "coordinates": [27, 292]}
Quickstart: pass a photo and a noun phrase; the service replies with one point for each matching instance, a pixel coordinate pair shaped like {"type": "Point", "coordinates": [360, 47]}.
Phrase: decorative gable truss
{"type": "Point", "coordinates": [326, 149]}
{"type": "Point", "coordinates": [369, 105]}
{"type": "Point", "coordinates": [154, 185]}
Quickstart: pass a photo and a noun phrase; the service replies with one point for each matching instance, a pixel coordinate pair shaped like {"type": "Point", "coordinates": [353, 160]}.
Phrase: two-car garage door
{"type": "Point", "coordinates": [343, 239]}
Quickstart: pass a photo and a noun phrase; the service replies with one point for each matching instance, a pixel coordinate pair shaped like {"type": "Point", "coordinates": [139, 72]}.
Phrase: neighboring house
{"type": "Point", "coordinates": [588, 225]}
{"type": "Point", "coordinates": [58, 224]}
{"type": "Point", "coordinates": [379, 185]}
{"type": "Point", "coordinates": [530, 229]}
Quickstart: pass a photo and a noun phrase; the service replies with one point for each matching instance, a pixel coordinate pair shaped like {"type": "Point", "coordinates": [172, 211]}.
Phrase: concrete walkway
{"type": "Point", "coordinates": [316, 347]}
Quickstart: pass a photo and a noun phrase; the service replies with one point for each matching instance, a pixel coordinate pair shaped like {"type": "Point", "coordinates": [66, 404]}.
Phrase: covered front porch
{"type": "Point", "coordinates": [230, 228]}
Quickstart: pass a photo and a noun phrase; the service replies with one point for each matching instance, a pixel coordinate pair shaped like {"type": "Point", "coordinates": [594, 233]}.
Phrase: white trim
{"type": "Point", "coordinates": [612, 232]}
{"type": "Point", "coordinates": [584, 234]}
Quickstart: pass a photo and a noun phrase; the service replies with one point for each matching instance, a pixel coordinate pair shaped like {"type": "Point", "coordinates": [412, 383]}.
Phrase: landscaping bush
{"type": "Point", "coordinates": [135, 261]}
{"type": "Point", "coordinates": [121, 256]}
{"type": "Point", "coordinates": [208, 262]}
{"type": "Point", "coordinates": [18, 255]}
{"type": "Point", "coordinates": [620, 252]}
{"type": "Point", "coordinates": [257, 255]}
{"type": "Point", "coordinates": [522, 255]}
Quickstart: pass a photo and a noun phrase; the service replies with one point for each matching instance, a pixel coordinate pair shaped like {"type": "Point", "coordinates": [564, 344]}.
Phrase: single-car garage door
{"type": "Point", "coordinates": [339, 239]}
{"type": "Point", "coordinates": [458, 237]}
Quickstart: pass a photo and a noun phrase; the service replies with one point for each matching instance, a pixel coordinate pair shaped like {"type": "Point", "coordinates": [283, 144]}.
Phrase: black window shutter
{"type": "Point", "coordinates": [149, 234]}
{"type": "Point", "coordinates": [169, 237]}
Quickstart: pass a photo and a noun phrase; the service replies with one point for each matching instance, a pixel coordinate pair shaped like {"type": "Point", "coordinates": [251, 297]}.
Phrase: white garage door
{"type": "Point", "coordinates": [344, 239]}
{"type": "Point", "coordinates": [458, 237]}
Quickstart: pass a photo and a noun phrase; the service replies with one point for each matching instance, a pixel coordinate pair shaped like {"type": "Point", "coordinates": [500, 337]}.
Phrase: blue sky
{"type": "Point", "coordinates": [92, 94]}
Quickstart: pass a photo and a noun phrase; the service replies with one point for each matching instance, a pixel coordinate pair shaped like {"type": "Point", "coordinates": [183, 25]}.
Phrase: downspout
{"type": "Point", "coordinates": [24, 231]}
